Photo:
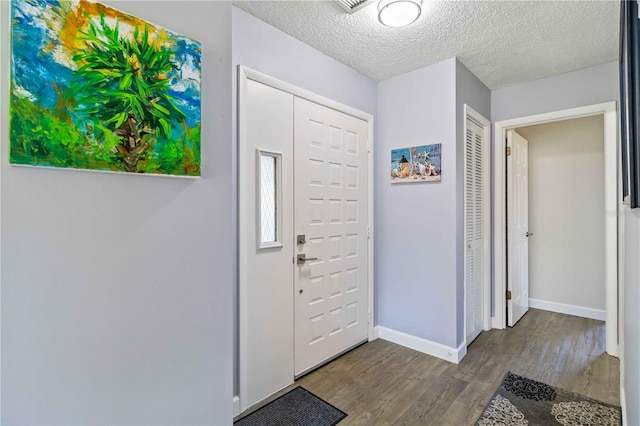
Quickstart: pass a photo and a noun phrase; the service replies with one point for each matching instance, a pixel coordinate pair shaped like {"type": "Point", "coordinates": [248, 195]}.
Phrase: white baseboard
{"type": "Point", "coordinates": [419, 344]}
{"type": "Point", "coordinates": [462, 351]}
{"type": "Point", "coordinates": [494, 324]}
{"type": "Point", "coordinates": [561, 308]}
{"type": "Point", "coordinates": [236, 406]}
{"type": "Point", "coordinates": [374, 334]}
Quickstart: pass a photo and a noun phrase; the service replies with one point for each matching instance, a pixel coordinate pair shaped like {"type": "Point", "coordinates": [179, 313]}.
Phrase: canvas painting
{"type": "Point", "coordinates": [95, 88]}
{"type": "Point", "coordinates": [416, 164]}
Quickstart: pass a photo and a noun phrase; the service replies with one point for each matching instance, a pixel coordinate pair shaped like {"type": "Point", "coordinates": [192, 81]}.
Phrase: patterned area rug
{"type": "Point", "coordinates": [520, 401]}
{"type": "Point", "coordinates": [298, 407]}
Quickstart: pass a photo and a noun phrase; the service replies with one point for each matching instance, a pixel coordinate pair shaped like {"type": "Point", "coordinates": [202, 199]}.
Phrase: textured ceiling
{"type": "Point", "coordinates": [501, 42]}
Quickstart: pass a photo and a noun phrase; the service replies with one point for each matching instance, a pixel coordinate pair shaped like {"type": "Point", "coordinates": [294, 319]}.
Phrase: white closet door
{"type": "Point", "coordinates": [474, 228]}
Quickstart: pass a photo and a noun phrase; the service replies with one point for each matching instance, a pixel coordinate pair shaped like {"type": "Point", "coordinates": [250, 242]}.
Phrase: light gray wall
{"type": "Point", "coordinates": [631, 320]}
{"type": "Point", "coordinates": [566, 212]}
{"type": "Point", "coordinates": [116, 289]}
{"type": "Point", "coordinates": [574, 89]}
{"type": "Point", "coordinates": [470, 91]}
{"type": "Point", "coordinates": [416, 224]}
{"type": "Point", "coordinates": [264, 48]}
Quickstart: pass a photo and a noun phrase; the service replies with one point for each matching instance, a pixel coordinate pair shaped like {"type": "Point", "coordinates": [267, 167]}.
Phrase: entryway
{"type": "Point", "coordinates": [512, 226]}
{"type": "Point", "coordinates": [305, 243]}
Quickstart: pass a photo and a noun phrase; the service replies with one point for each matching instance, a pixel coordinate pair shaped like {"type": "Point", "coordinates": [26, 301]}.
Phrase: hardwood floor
{"type": "Point", "coordinates": [381, 383]}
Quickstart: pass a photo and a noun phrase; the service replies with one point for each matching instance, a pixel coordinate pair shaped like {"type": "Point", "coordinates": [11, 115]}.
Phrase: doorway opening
{"type": "Point", "coordinates": [505, 229]}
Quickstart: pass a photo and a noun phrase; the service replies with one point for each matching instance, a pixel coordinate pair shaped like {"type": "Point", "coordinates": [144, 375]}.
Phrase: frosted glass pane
{"type": "Point", "coordinates": [268, 208]}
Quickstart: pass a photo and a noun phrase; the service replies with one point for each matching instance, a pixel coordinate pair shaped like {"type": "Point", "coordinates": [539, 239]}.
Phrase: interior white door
{"type": "Point", "coordinates": [330, 198]}
{"type": "Point", "coordinates": [474, 229]}
{"type": "Point", "coordinates": [517, 227]}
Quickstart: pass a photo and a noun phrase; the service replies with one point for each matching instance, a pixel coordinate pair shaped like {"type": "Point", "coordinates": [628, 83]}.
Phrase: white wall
{"type": "Point", "coordinates": [578, 88]}
{"type": "Point", "coordinates": [116, 289]}
{"type": "Point", "coordinates": [419, 227]}
{"type": "Point", "coordinates": [264, 48]}
{"type": "Point", "coordinates": [470, 91]}
{"type": "Point", "coordinates": [416, 265]}
{"type": "Point", "coordinates": [631, 347]}
{"type": "Point", "coordinates": [566, 212]}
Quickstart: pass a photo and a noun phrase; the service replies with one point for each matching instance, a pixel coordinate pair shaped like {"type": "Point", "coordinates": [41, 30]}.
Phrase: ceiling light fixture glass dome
{"type": "Point", "coordinates": [399, 13]}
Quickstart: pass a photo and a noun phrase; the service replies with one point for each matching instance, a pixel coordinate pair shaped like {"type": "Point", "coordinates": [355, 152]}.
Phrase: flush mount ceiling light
{"type": "Point", "coordinates": [398, 13]}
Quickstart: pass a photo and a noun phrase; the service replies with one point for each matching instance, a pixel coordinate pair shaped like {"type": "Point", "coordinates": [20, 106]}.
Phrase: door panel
{"type": "Point", "coordinates": [474, 229]}
{"type": "Point", "coordinates": [518, 226]}
{"type": "Point", "coordinates": [266, 291]}
{"type": "Point", "coordinates": [331, 212]}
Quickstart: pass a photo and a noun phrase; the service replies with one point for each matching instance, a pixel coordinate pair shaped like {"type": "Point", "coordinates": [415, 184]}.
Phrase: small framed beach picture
{"type": "Point", "coordinates": [416, 164]}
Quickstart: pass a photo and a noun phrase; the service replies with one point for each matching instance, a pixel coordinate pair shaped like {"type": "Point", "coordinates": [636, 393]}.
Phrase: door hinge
{"type": "Point", "coordinates": [508, 151]}
{"type": "Point", "coordinates": [368, 231]}
{"type": "Point", "coordinates": [508, 295]}
{"type": "Point", "coordinates": [369, 146]}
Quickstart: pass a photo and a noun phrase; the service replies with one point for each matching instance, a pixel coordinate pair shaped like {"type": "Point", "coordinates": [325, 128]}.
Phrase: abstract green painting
{"type": "Point", "coordinates": [95, 88]}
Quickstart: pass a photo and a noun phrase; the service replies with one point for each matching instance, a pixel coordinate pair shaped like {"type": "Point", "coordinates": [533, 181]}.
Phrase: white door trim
{"type": "Point", "coordinates": [486, 191]}
{"type": "Point", "coordinates": [609, 111]}
{"type": "Point", "coordinates": [244, 75]}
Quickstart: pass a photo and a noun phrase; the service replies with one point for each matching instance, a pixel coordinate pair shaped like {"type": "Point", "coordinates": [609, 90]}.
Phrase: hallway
{"type": "Point", "coordinates": [383, 383]}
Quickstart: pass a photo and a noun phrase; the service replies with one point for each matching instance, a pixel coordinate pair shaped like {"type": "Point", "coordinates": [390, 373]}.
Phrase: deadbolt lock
{"type": "Point", "coordinates": [302, 239]}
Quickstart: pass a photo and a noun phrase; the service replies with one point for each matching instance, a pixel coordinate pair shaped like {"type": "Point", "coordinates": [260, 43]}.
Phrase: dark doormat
{"type": "Point", "coordinates": [296, 407]}
{"type": "Point", "coordinates": [522, 401]}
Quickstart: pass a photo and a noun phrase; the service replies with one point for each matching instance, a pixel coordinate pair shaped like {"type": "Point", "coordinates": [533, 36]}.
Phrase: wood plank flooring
{"type": "Point", "coordinates": [381, 383]}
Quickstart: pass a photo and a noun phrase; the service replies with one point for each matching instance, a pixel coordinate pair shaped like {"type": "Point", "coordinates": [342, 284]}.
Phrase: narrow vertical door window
{"type": "Point", "coordinates": [268, 191]}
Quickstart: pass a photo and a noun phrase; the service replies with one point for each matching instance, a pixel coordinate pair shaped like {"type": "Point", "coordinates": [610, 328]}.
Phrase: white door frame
{"type": "Point", "coordinates": [486, 192]}
{"type": "Point", "coordinates": [609, 111]}
{"type": "Point", "coordinates": [244, 75]}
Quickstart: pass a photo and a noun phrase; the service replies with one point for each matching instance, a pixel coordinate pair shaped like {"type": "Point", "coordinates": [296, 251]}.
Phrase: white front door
{"type": "Point", "coordinates": [517, 227]}
{"type": "Point", "coordinates": [330, 197]}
